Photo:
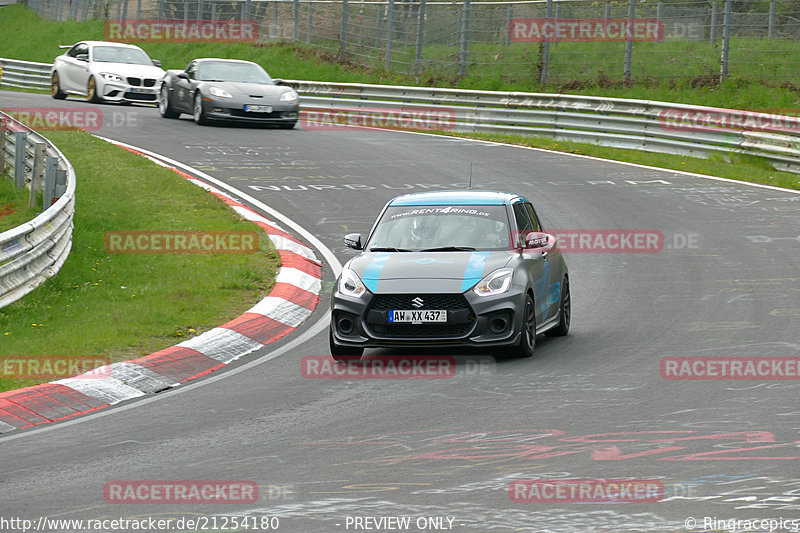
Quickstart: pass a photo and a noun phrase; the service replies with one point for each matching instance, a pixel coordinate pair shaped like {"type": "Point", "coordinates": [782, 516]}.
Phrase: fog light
{"type": "Point", "coordinates": [345, 326]}
{"type": "Point", "coordinates": [498, 325]}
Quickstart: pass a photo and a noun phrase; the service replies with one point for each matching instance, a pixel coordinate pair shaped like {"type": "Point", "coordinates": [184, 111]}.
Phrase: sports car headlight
{"type": "Point", "coordinates": [350, 284]}
{"type": "Point", "coordinates": [289, 96]}
{"type": "Point", "coordinates": [111, 77]}
{"type": "Point", "coordinates": [219, 93]}
{"type": "Point", "coordinates": [497, 282]}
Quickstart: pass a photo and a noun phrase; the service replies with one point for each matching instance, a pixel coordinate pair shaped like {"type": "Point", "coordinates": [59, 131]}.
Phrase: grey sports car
{"type": "Point", "coordinates": [468, 268]}
{"type": "Point", "coordinates": [227, 89]}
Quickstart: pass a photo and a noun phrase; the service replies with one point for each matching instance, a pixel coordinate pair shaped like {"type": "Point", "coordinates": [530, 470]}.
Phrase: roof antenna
{"type": "Point", "coordinates": [469, 187]}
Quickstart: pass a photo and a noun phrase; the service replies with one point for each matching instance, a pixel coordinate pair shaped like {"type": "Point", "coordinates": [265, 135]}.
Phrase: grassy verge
{"type": "Point", "coordinates": [512, 68]}
{"type": "Point", "coordinates": [733, 166]}
{"type": "Point", "coordinates": [125, 305]}
{"type": "Point", "coordinates": [14, 208]}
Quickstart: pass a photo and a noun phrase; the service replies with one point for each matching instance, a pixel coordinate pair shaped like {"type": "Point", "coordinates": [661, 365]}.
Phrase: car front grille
{"type": "Point", "coordinates": [460, 321]}
{"type": "Point", "coordinates": [384, 302]}
{"type": "Point", "coordinates": [137, 82]}
{"type": "Point", "coordinates": [140, 96]}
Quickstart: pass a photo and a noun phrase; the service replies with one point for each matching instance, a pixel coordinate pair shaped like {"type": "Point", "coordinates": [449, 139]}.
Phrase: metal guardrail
{"type": "Point", "coordinates": [622, 123]}
{"type": "Point", "coordinates": [652, 126]}
{"type": "Point", "coordinates": [24, 74]}
{"type": "Point", "coordinates": [36, 250]}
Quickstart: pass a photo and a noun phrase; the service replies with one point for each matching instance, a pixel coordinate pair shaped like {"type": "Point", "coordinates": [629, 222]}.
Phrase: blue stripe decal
{"type": "Point", "coordinates": [373, 271]}
{"type": "Point", "coordinates": [474, 272]}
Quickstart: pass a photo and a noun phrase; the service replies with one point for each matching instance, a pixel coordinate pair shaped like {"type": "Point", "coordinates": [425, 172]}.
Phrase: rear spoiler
{"type": "Point", "coordinates": [65, 46]}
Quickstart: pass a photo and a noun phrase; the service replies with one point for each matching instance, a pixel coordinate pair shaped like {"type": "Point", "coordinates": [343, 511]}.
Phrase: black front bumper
{"type": "Point", "coordinates": [472, 320]}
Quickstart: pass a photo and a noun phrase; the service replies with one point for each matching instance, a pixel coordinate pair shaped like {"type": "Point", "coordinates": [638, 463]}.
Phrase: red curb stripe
{"type": "Point", "coordinates": [11, 420]}
{"type": "Point", "coordinates": [258, 327]}
{"type": "Point", "coordinates": [296, 295]}
{"type": "Point", "coordinates": [42, 404]}
{"type": "Point", "coordinates": [22, 412]}
{"type": "Point", "coordinates": [293, 260]}
{"type": "Point", "coordinates": [70, 397]}
{"type": "Point", "coordinates": [178, 363]}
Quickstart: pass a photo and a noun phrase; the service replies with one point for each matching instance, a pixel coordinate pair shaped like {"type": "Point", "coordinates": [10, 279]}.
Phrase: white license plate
{"type": "Point", "coordinates": [416, 316]}
{"type": "Point", "coordinates": [139, 90]}
{"type": "Point", "coordinates": [258, 108]}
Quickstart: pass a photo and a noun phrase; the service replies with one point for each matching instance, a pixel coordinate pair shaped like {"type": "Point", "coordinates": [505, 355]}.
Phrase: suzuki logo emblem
{"type": "Point", "coordinates": [417, 302]}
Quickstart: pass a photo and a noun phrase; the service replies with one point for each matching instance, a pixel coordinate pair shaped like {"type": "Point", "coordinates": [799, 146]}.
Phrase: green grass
{"type": "Point", "coordinates": [126, 305]}
{"type": "Point", "coordinates": [14, 204]}
{"type": "Point", "coordinates": [688, 73]}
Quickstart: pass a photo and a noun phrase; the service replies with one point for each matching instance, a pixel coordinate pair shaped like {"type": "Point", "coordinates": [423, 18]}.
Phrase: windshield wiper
{"type": "Point", "coordinates": [449, 249]}
{"type": "Point", "coordinates": [387, 249]}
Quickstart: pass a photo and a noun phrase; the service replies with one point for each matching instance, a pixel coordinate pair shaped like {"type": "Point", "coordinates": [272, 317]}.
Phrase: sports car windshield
{"type": "Point", "coordinates": [235, 72]}
{"type": "Point", "coordinates": [442, 228]}
{"type": "Point", "coordinates": [120, 54]}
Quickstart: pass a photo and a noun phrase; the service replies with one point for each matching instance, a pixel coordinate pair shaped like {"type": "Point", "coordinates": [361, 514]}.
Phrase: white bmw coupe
{"type": "Point", "coordinates": [105, 71]}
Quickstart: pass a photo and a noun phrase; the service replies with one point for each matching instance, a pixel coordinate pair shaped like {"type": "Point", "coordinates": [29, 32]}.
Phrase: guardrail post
{"type": "Point", "coordinates": [213, 11]}
{"type": "Point", "coordinates": [343, 34]}
{"type": "Point", "coordinates": [607, 11]}
{"type": "Point", "coordinates": [544, 47]}
{"type": "Point", "coordinates": [2, 145]}
{"type": "Point", "coordinates": [659, 10]}
{"type": "Point", "coordinates": [296, 20]}
{"type": "Point", "coordinates": [38, 168]}
{"type": "Point", "coordinates": [125, 10]}
{"type": "Point", "coordinates": [85, 16]}
{"type": "Point", "coordinates": [726, 40]}
{"type": "Point", "coordinates": [379, 24]}
{"type": "Point", "coordinates": [185, 12]}
{"type": "Point", "coordinates": [420, 35]}
{"type": "Point", "coordinates": [20, 139]}
{"type": "Point", "coordinates": [629, 41]}
{"type": "Point", "coordinates": [51, 164]}
{"type": "Point", "coordinates": [201, 8]}
{"type": "Point", "coordinates": [246, 10]}
{"type": "Point", "coordinates": [160, 10]}
{"type": "Point", "coordinates": [274, 19]}
{"type": "Point", "coordinates": [463, 53]}
{"type": "Point", "coordinates": [712, 34]}
{"type": "Point", "coordinates": [771, 24]}
{"type": "Point", "coordinates": [138, 9]}
{"type": "Point", "coordinates": [387, 64]}
{"type": "Point", "coordinates": [310, 22]}
{"type": "Point", "coordinates": [509, 18]}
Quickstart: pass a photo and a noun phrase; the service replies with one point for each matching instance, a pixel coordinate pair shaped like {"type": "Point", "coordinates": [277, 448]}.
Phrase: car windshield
{"type": "Point", "coordinates": [442, 228]}
{"type": "Point", "coordinates": [229, 71]}
{"type": "Point", "coordinates": [120, 54]}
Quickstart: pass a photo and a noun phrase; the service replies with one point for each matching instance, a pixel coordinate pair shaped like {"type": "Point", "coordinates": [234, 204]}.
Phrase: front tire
{"type": "Point", "coordinates": [55, 88]}
{"type": "Point", "coordinates": [527, 343]}
{"type": "Point", "coordinates": [343, 353]}
{"type": "Point", "coordinates": [197, 110]}
{"type": "Point", "coordinates": [164, 105]}
{"type": "Point", "coordinates": [91, 91]}
{"type": "Point", "coordinates": [565, 309]}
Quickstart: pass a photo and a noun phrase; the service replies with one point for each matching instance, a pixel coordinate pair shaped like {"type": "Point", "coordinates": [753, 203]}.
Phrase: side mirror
{"type": "Point", "coordinates": [183, 76]}
{"type": "Point", "coordinates": [537, 240]}
{"type": "Point", "coordinates": [82, 57]}
{"type": "Point", "coordinates": [156, 62]}
{"type": "Point", "coordinates": [278, 81]}
{"type": "Point", "coordinates": [353, 240]}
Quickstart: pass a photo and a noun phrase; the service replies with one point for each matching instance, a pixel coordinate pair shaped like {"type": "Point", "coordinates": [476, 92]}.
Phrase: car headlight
{"type": "Point", "coordinates": [350, 284]}
{"type": "Point", "coordinates": [111, 77]}
{"type": "Point", "coordinates": [219, 93]}
{"type": "Point", "coordinates": [289, 96]}
{"type": "Point", "coordinates": [497, 282]}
